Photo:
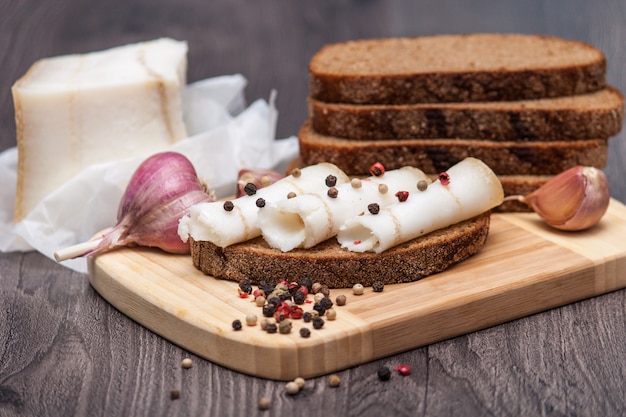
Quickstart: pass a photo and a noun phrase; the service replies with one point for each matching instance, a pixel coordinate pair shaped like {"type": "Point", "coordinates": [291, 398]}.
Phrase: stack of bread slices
{"type": "Point", "coordinates": [529, 106]}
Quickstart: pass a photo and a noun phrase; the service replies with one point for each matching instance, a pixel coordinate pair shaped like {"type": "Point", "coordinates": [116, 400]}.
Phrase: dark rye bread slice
{"type": "Point", "coordinates": [452, 68]}
{"type": "Point", "coordinates": [338, 268]}
{"type": "Point", "coordinates": [355, 157]}
{"type": "Point", "coordinates": [594, 115]}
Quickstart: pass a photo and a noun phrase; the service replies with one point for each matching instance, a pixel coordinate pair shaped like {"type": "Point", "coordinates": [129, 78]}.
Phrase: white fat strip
{"type": "Point", "coordinates": [308, 219]}
{"type": "Point", "coordinates": [211, 222]}
{"type": "Point", "coordinates": [473, 189]}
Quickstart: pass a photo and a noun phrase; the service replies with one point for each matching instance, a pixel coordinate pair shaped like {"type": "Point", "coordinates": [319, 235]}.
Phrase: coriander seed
{"type": "Point", "coordinates": [334, 380]}
{"type": "Point", "coordinates": [300, 381]}
{"type": "Point", "coordinates": [341, 300]}
{"type": "Point", "coordinates": [251, 319]}
{"type": "Point", "coordinates": [264, 403]}
{"type": "Point", "coordinates": [174, 394]}
{"type": "Point", "coordinates": [292, 388]}
{"type": "Point", "coordinates": [316, 287]}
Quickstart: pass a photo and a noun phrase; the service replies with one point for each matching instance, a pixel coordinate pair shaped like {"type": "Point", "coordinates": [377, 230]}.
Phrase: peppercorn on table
{"type": "Point", "coordinates": [524, 268]}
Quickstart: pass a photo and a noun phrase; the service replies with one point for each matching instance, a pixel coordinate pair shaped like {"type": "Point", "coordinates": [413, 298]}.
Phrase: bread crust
{"type": "Point", "coordinates": [338, 268]}
{"type": "Point", "coordinates": [594, 115]}
{"type": "Point", "coordinates": [355, 157]}
{"type": "Point", "coordinates": [455, 68]}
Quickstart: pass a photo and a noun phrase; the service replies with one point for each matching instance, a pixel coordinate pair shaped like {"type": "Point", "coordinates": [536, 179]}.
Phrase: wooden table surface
{"type": "Point", "coordinates": [65, 351]}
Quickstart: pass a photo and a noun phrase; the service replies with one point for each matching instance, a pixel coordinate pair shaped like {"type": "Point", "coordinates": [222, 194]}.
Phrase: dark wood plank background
{"type": "Point", "coordinates": [64, 351]}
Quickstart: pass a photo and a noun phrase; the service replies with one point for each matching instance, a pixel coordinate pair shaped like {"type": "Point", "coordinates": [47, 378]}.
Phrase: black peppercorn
{"type": "Point", "coordinates": [274, 300]}
{"type": "Point", "coordinates": [245, 286]}
{"type": "Point", "coordinates": [384, 373]}
{"type": "Point", "coordinates": [321, 310]}
{"type": "Point", "coordinates": [269, 309]}
{"type": "Point", "coordinates": [299, 297]}
{"type": "Point", "coordinates": [304, 332]}
{"type": "Point", "coordinates": [378, 286]}
{"type": "Point", "coordinates": [250, 188]}
{"type": "Point", "coordinates": [307, 283]}
{"type": "Point", "coordinates": [237, 325]}
{"type": "Point", "coordinates": [373, 208]}
{"type": "Point", "coordinates": [318, 322]}
{"type": "Point", "coordinates": [331, 181]}
{"type": "Point", "coordinates": [333, 192]}
{"type": "Point", "coordinates": [260, 202]}
{"type": "Point", "coordinates": [307, 317]}
{"type": "Point", "coordinates": [267, 287]}
{"type": "Point", "coordinates": [228, 205]}
{"type": "Point", "coordinates": [271, 328]}
{"type": "Point", "coordinates": [326, 303]}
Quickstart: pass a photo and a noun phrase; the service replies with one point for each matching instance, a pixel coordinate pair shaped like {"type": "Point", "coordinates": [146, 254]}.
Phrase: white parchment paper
{"type": "Point", "coordinates": [225, 135]}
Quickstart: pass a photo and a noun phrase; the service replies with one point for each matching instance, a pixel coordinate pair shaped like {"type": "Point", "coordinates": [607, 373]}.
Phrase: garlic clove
{"type": "Point", "coordinates": [160, 192]}
{"type": "Point", "coordinates": [575, 199]}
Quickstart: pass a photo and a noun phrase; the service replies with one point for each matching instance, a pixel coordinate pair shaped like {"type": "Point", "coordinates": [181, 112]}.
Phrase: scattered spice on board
{"type": "Point", "coordinates": [384, 373]}
{"type": "Point", "coordinates": [403, 370]}
{"type": "Point", "coordinates": [264, 403]}
{"type": "Point", "coordinates": [334, 381]}
{"type": "Point", "coordinates": [174, 394]}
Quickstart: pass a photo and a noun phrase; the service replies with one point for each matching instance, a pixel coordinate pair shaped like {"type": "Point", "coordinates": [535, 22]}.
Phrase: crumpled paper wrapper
{"type": "Point", "coordinates": [224, 136]}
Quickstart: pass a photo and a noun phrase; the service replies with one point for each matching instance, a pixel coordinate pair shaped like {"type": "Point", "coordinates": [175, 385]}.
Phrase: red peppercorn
{"type": "Point", "coordinates": [296, 312]}
{"type": "Point", "coordinates": [377, 169]}
{"type": "Point", "coordinates": [403, 370]}
{"type": "Point", "coordinates": [402, 195]}
{"type": "Point", "coordinates": [444, 178]}
{"type": "Point", "coordinates": [304, 289]}
{"type": "Point", "coordinates": [242, 294]}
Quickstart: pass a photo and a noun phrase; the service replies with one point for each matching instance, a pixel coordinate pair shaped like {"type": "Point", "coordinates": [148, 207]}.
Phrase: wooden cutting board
{"type": "Point", "coordinates": [524, 268]}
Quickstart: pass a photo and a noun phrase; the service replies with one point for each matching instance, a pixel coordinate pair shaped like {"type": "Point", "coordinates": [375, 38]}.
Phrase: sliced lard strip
{"type": "Point", "coordinates": [212, 222]}
{"type": "Point", "coordinates": [473, 189]}
{"type": "Point", "coordinates": [308, 219]}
